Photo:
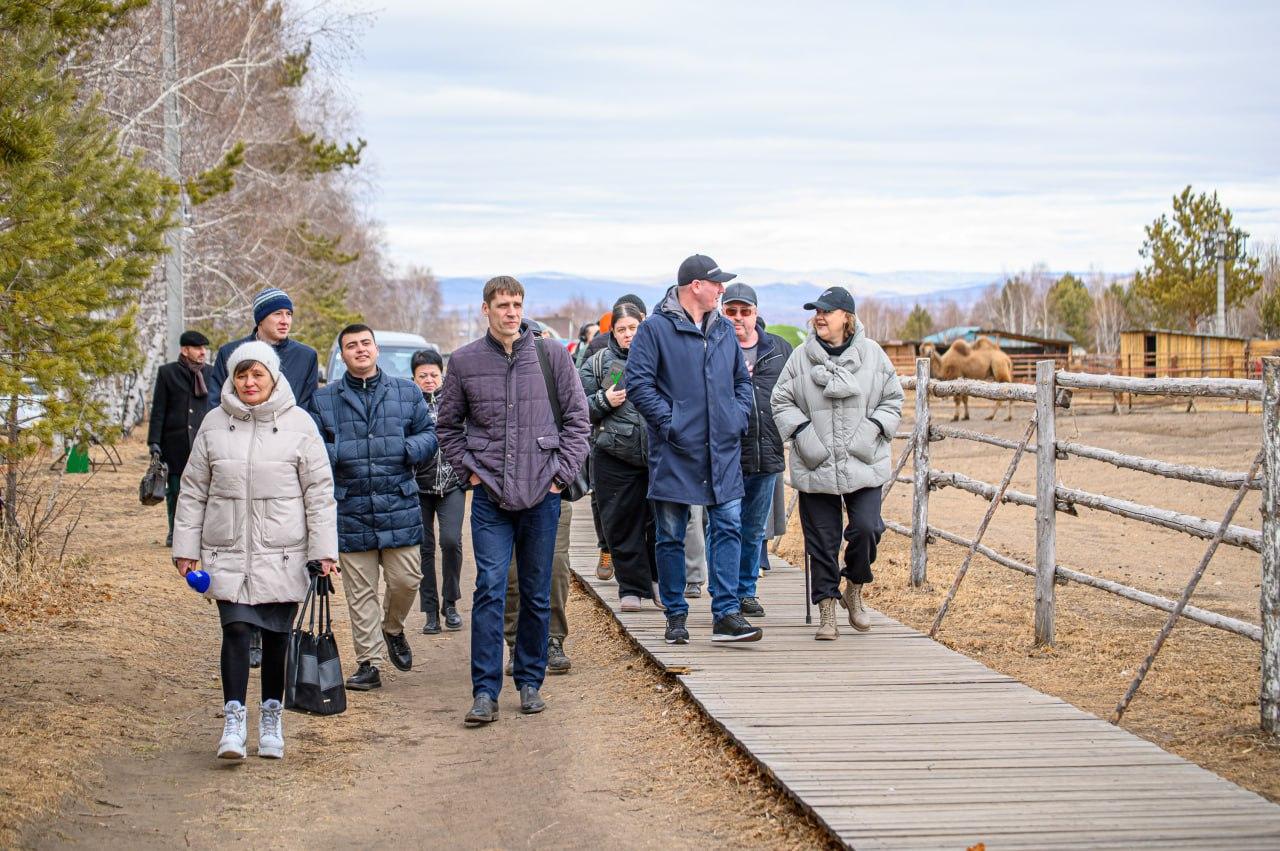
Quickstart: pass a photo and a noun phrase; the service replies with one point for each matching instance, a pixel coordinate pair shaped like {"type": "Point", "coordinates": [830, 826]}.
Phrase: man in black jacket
{"type": "Point", "coordinates": [178, 406]}
{"type": "Point", "coordinates": [762, 456]}
{"type": "Point", "coordinates": [272, 322]}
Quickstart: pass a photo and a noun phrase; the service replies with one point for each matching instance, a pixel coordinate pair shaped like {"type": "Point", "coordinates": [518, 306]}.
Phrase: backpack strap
{"type": "Point", "coordinates": [552, 395]}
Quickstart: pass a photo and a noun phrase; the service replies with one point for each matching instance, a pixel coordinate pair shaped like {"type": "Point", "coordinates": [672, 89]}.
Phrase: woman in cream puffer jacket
{"type": "Point", "coordinates": [838, 401]}
{"type": "Point", "coordinates": [256, 504]}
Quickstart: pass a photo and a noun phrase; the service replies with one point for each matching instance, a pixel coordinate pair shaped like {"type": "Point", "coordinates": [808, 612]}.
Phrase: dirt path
{"type": "Point", "coordinates": [619, 757]}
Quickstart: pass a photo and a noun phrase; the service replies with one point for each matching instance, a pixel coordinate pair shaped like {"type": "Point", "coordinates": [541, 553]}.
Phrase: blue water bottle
{"type": "Point", "coordinates": [198, 580]}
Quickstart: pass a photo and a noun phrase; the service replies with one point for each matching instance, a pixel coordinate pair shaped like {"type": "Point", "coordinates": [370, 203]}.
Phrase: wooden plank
{"type": "Point", "coordinates": [893, 741]}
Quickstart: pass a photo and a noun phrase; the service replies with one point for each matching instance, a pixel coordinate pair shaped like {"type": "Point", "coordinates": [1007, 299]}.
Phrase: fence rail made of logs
{"type": "Point", "coordinates": [1050, 393]}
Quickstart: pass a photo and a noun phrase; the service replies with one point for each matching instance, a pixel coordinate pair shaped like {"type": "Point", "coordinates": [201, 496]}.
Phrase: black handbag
{"type": "Point", "coordinates": [313, 671]}
{"type": "Point", "coordinates": [152, 487]}
{"type": "Point", "coordinates": [581, 483]}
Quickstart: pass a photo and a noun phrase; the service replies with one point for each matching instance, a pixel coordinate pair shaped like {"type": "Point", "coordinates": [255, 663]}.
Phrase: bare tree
{"type": "Point", "coordinates": [270, 200]}
{"type": "Point", "coordinates": [1109, 314]}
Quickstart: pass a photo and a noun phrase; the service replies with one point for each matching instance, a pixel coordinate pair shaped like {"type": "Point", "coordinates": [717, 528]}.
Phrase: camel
{"type": "Point", "coordinates": [983, 361]}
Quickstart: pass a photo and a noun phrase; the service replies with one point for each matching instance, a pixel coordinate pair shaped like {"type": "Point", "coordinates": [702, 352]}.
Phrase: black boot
{"type": "Point", "coordinates": [398, 650]}
{"type": "Point", "coordinates": [432, 626]}
{"type": "Point", "coordinates": [365, 678]}
{"type": "Point", "coordinates": [452, 620]}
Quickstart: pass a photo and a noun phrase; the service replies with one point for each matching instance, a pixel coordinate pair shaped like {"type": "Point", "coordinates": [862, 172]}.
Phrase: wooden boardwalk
{"type": "Point", "coordinates": [894, 741]}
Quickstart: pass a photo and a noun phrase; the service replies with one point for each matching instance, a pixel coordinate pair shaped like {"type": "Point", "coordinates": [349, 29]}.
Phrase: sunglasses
{"type": "Point", "coordinates": [739, 311]}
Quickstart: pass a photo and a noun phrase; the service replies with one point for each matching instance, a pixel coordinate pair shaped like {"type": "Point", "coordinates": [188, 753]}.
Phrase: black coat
{"type": "Point", "coordinates": [176, 414]}
{"type": "Point", "coordinates": [618, 431]}
{"type": "Point", "coordinates": [762, 447]}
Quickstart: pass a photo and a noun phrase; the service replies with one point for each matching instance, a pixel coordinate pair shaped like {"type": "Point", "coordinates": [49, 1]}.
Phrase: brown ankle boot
{"type": "Point", "coordinates": [851, 599]}
{"type": "Point", "coordinates": [827, 630]}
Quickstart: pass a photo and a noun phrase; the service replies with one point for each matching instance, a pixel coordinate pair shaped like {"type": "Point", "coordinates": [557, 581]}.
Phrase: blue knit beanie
{"type": "Point", "coordinates": [268, 302]}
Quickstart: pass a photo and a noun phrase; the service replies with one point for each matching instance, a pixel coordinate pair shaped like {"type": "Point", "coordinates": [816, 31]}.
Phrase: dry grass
{"type": "Point", "coordinates": [1200, 700]}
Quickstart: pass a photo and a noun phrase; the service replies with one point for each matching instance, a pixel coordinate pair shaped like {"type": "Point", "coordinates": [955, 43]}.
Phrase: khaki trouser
{"type": "Point", "coordinates": [401, 570]}
{"type": "Point", "coordinates": [559, 585]}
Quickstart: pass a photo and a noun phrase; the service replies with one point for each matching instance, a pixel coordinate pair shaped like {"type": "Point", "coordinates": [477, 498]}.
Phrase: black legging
{"type": "Point", "coordinates": [235, 662]}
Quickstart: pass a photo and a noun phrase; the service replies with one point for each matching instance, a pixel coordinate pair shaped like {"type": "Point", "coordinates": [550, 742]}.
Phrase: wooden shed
{"type": "Point", "coordinates": [1161, 353]}
{"type": "Point", "coordinates": [902, 354]}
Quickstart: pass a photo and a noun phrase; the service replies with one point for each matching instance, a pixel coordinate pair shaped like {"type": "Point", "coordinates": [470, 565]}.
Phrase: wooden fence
{"type": "Point", "coordinates": [1052, 391]}
{"type": "Point", "coordinates": [1135, 366]}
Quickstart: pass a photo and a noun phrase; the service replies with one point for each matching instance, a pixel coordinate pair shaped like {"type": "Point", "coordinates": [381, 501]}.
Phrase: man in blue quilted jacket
{"type": "Point", "coordinates": [377, 430]}
{"type": "Point", "coordinates": [498, 428]}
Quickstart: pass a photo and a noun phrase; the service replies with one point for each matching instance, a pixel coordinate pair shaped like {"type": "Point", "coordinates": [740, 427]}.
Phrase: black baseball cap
{"type": "Point", "coordinates": [832, 298]}
{"type": "Point", "coordinates": [739, 292]}
{"type": "Point", "coordinates": [700, 267]}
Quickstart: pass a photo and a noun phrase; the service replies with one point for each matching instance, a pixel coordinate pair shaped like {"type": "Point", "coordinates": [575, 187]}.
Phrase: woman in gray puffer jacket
{"type": "Point", "coordinates": [256, 504]}
{"type": "Point", "coordinates": [620, 462]}
{"type": "Point", "coordinates": [839, 402]}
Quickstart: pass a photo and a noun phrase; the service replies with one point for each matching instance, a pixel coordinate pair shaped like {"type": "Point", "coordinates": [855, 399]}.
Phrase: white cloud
{"type": "Point", "coordinates": [608, 138]}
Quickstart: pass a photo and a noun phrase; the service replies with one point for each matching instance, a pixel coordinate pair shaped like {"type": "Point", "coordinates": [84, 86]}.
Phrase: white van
{"type": "Point", "coordinates": [395, 352]}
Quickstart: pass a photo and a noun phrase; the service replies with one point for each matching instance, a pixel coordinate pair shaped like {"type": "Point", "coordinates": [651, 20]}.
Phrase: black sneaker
{"type": "Point", "coordinates": [531, 702]}
{"type": "Point", "coordinates": [734, 627]}
{"type": "Point", "coordinates": [483, 711]}
{"type": "Point", "coordinates": [398, 650]}
{"type": "Point", "coordinates": [676, 633]}
{"type": "Point", "coordinates": [557, 662]}
{"type": "Point", "coordinates": [751, 606]}
{"type": "Point", "coordinates": [365, 678]}
{"type": "Point", "coordinates": [168, 541]}
{"type": "Point", "coordinates": [432, 626]}
{"type": "Point", "coordinates": [452, 620]}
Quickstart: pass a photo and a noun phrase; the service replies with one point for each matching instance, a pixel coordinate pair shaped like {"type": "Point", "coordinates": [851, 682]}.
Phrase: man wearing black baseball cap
{"type": "Point", "coordinates": [683, 361]}
{"type": "Point", "coordinates": [762, 454]}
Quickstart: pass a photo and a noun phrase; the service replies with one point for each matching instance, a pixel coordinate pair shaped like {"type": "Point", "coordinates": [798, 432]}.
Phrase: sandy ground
{"type": "Point", "coordinates": [1201, 698]}
{"type": "Point", "coordinates": [110, 706]}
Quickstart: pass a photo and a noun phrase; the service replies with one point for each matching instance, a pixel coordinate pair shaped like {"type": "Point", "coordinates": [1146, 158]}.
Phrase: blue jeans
{"type": "Point", "coordinates": [755, 514]}
{"type": "Point", "coordinates": [495, 533]}
{"type": "Point", "coordinates": [724, 551]}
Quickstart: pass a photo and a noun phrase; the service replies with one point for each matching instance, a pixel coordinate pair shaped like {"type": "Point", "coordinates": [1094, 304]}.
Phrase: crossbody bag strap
{"type": "Point", "coordinates": [552, 395]}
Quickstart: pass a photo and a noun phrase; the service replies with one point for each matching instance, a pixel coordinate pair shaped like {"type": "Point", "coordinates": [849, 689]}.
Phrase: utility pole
{"type": "Point", "coordinates": [172, 151]}
{"type": "Point", "coordinates": [1220, 244]}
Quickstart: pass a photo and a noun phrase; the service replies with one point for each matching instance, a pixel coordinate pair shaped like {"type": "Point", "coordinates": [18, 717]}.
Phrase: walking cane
{"type": "Point", "coordinates": [808, 612]}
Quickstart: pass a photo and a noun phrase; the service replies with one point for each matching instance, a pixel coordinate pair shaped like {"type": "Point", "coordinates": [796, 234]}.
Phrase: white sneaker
{"type": "Point", "coordinates": [271, 730]}
{"type": "Point", "coordinates": [234, 731]}
{"type": "Point", "coordinates": [630, 603]}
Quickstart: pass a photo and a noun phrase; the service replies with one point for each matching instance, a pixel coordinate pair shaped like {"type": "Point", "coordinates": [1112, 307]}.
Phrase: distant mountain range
{"type": "Point", "coordinates": [782, 294]}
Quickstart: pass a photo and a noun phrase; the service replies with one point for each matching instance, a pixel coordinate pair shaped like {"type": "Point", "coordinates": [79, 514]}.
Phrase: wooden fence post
{"type": "Point", "coordinates": [1046, 500]}
{"type": "Point", "coordinates": [920, 478]}
{"type": "Point", "coordinates": [1269, 699]}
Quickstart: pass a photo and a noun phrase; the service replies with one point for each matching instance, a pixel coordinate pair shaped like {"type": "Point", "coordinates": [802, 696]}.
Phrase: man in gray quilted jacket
{"type": "Point", "coordinates": [497, 427]}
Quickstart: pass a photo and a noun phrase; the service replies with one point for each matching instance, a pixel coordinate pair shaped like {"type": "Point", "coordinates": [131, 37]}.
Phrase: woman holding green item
{"type": "Point", "coordinates": [619, 459]}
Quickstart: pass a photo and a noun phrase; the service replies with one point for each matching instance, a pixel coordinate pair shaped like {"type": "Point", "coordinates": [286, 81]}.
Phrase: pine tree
{"type": "Point", "coordinates": [919, 324]}
{"type": "Point", "coordinates": [1180, 281]}
{"type": "Point", "coordinates": [1072, 307]}
{"type": "Point", "coordinates": [81, 228]}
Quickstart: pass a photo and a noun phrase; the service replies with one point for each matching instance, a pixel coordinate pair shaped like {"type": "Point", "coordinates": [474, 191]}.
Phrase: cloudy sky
{"type": "Point", "coordinates": [613, 138]}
